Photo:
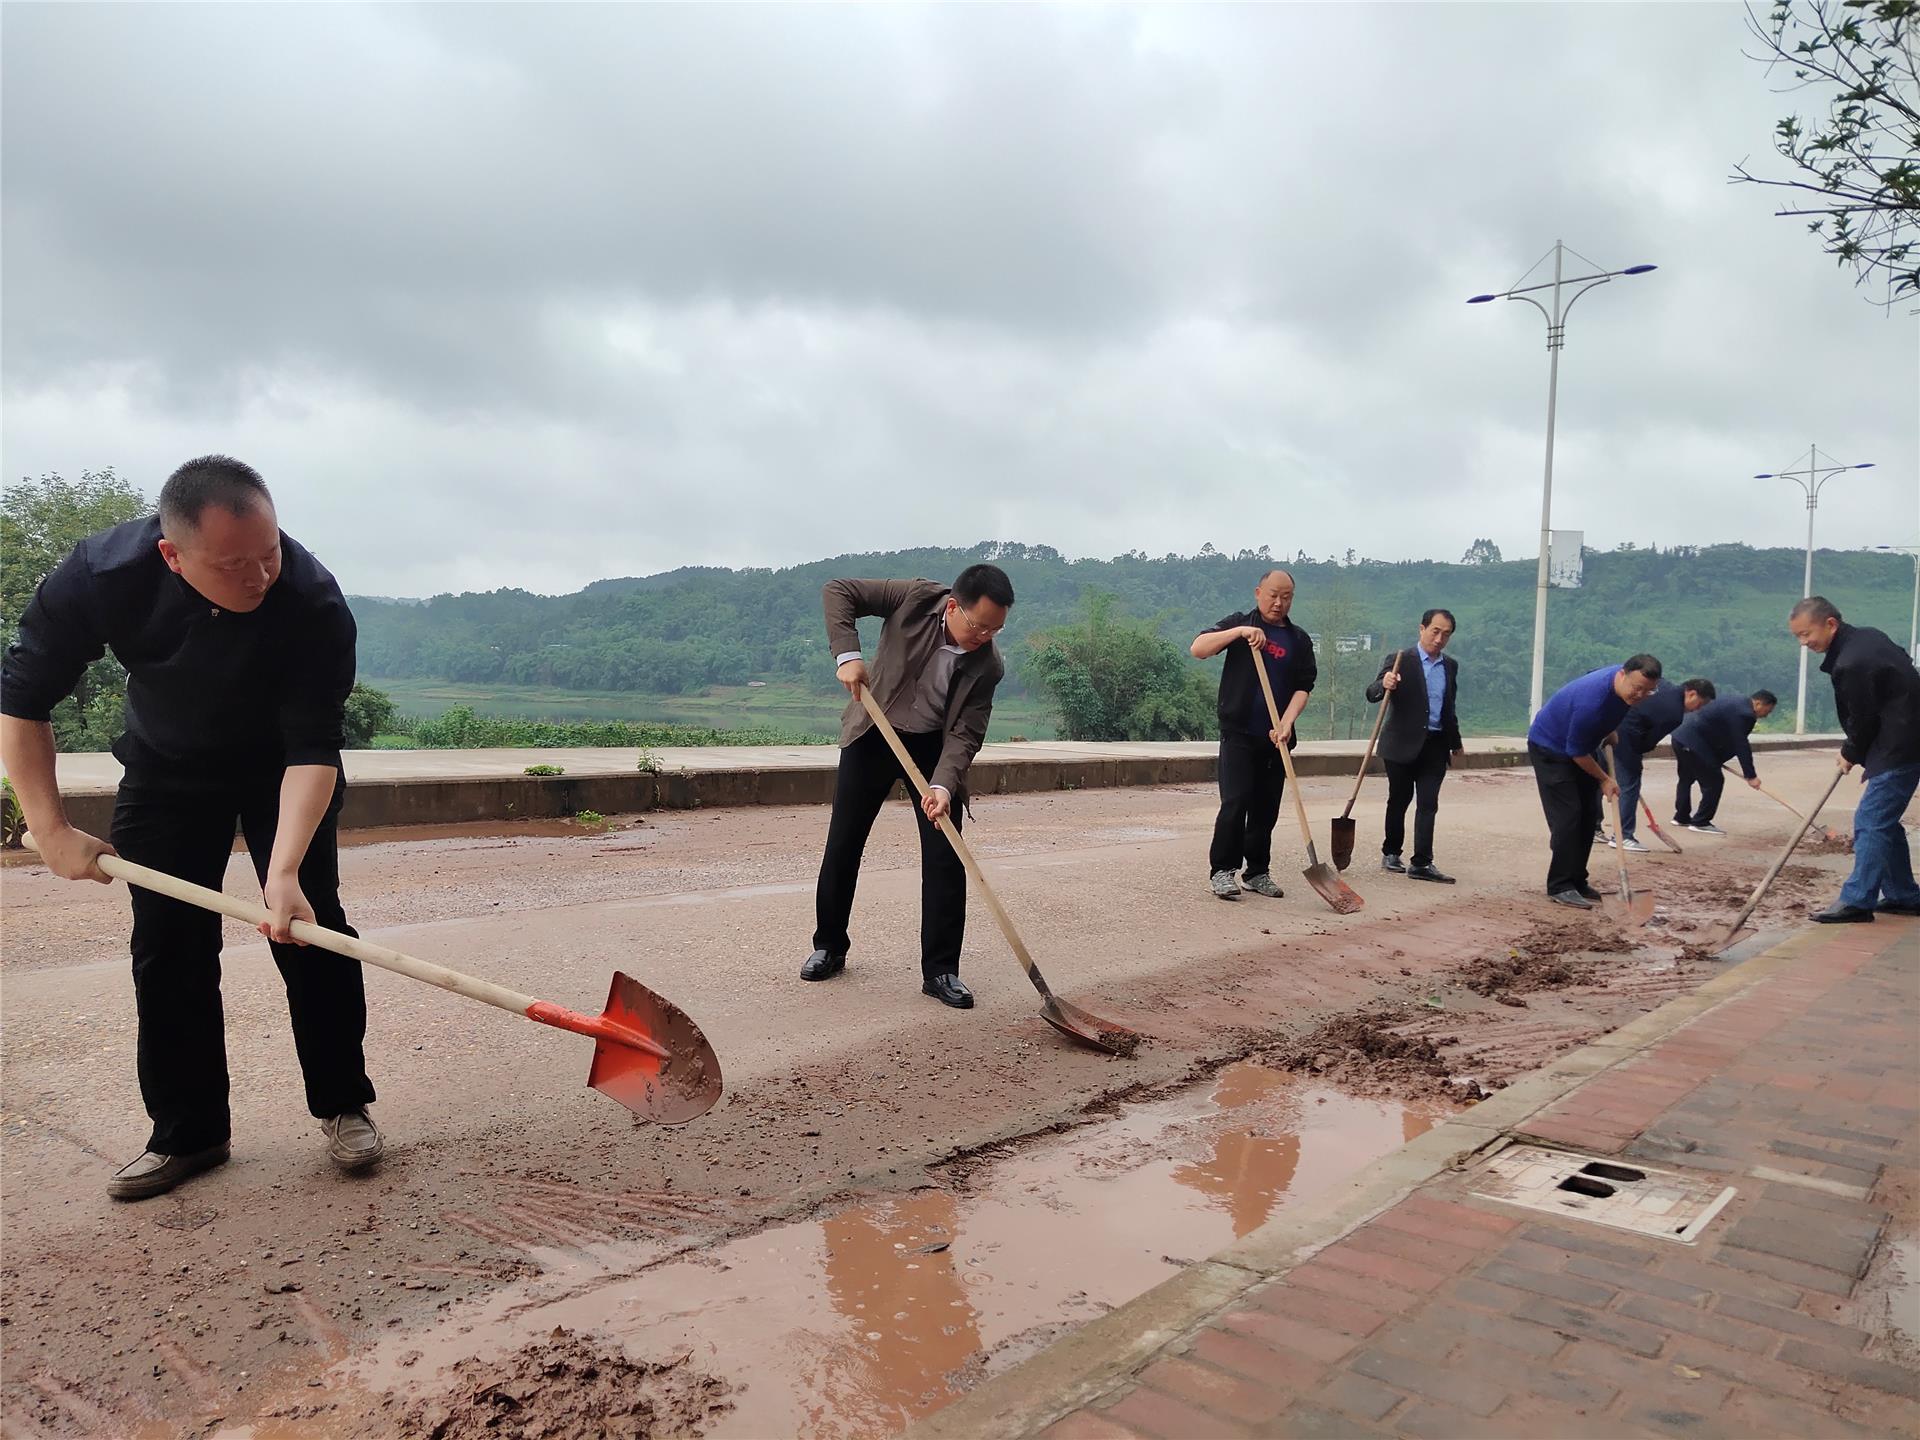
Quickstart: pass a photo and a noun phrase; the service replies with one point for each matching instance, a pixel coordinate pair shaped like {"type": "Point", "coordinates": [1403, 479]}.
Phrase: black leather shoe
{"type": "Point", "coordinates": [1898, 907]}
{"type": "Point", "coordinates": [1392, 863]}
{"type": "Point", "coordinates": [822, 966]}
{"type": "Point", "coordinates": [1428, 872]}
{"type": "Point", "coordinates": [1572, 898]}
{"type": "Point", "coordinates": [948, 990]}
{"type": "Point", "coordinates": [1838, 914]}
{"type": "Point", "coordinates": [155, 1174]}
{"type": "Point", "coordinates": [1587, 892]}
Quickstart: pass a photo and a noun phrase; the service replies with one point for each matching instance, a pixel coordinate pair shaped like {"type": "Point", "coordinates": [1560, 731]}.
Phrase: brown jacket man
{"type": "Point", "coordinates": [935, 672]}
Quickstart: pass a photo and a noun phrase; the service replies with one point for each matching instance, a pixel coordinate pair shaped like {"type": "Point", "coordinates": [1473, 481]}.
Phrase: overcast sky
{"type": "Point", "coordinates": [529, 296]}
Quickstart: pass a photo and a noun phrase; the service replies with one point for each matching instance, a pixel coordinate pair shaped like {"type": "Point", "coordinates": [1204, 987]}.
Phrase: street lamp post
{"type": "Point", "coordinates": [1813, 480]}
{"type": "Point", "coordinates": [1913, 625]}
{"type": "Point", "coordinates": [1556, 339]}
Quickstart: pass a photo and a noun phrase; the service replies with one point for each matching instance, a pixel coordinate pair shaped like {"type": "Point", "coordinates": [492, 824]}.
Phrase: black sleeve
{"type": "Point", "coordinates": [1306, 669]}
{"type": "Point", "coordinates": [1376, 692]}
{"type": "Point", "coordinates": [1452, 716]}
{"type": "Point", "coordinates": [1858, 704]}
{"type": "Point", "coordinates": [313, 703]}
{"type": "Point", "coordinates": [59, 637]}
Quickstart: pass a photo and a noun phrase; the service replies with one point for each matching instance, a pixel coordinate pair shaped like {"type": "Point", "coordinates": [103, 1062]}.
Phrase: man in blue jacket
{"type": "Point", "coordinates": [1646, 725]}
{"type": "Point", "coordinates": [1710, 737]}
{"type": "Point", "coordinates": [1561, 742]}
{"type": "Point", "coordinates": [1876, 692]}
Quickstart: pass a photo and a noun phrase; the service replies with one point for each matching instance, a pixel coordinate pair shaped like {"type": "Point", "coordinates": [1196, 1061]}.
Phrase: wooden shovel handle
{"type": "Point", "coordinates": [960, 847]}
{"type": "Point", "coordinates": [1372, 740]}
{"type": "Point", "coordinates": [1286, 759]}
{"type": "Point", "coordinates": [350, 946]}
{"type": "Point", "coordinates": [1619, 825]}
{"type": "Point", "coordinates": [1773, 871]}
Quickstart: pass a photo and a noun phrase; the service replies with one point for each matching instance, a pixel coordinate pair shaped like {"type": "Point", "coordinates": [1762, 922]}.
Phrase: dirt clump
{"type": "Point", "coordinates": [1362, 1054]}
{"type": "Point", "coordinates": [1499, 977]}
{"type": "Point", "coordinates": [1572, 937]}
{"type": "Point", "coordinates": [562, 1388]}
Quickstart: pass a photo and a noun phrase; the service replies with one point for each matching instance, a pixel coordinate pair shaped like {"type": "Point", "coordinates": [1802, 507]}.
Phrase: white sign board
{"type": "Point", "coordinates": [1563, 559]}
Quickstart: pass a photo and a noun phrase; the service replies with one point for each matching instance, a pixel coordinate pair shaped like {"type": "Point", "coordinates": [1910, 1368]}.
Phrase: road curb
{"type": "Point", "coordinates": [1067, 1375]}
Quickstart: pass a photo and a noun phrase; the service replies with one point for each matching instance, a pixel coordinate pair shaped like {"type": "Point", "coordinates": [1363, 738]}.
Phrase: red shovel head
{"type": "Point", "coordinates": [672, 1089]}
{"type": "Point", "coordinates": [1070, 1020]}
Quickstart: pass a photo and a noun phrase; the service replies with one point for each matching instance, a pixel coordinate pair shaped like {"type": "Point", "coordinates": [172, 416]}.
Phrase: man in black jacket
{"type": "Point", "coordinates": [1252, 776]}
{"type": "Point", "coordinates": [1714, 734]}
{"type": "Point", "coordinates": [1646, 725]}
{"type": "Point", "coordinates": [1877, 694]}
{"type": "Point", "coordinates": [1419, 738]}
{"type": "Point", "coordinates": [239, 650]}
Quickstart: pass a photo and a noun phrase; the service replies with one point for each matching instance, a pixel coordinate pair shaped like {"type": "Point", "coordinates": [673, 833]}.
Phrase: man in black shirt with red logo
{"type": "Point", "coordinates": [239, 651]}
{"type": "Point", "coordinates": [1252, 776]}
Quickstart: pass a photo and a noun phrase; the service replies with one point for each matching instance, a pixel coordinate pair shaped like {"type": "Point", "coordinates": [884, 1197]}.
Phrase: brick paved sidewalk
{"type": "Point", "coordinates": [1454, 1316]}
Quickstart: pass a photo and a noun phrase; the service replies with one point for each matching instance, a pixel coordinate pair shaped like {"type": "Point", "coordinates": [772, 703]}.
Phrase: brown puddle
{"type": "Point", "coordinates": [855, 1322]}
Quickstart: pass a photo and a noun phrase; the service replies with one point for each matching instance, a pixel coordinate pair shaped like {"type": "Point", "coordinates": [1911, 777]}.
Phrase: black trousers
{"type": "Point", "coordinates": [1420, 777]}
{"type": "Point", "coordinates": [1252, 779]}
{"type": "Point", "coordinates": [1571, 799]}
{"type": "Point", "coordinates": [1696, 769]}
{"type": "Point", "coordinates": [186, 828]}
{"type": "Point", "coordinates": [867, 773]}
{"type": "Point", "coordinates": [1626, 774]}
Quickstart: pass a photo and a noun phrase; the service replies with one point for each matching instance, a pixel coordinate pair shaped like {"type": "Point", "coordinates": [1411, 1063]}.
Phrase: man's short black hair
{"type": "Point", "coordinates": [1647, 665]}
{"type": "Point", "coordinates": [210, 480]}
{"type": "Point", "coordinates": [984, 582]}
{"type": "Point", "coordinates": [1816, 608]}
{"type": "Point", "coordinates": [1427, 619]}
{"type": "Point", "coordinates": [1703, 688]}
{"type": "Point", "coordinates": [1765, 697]}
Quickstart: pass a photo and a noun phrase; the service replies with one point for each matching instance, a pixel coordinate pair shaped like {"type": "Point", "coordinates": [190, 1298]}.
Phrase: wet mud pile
{"type": "Point", "coordinates": [1361, 1053]}
{"type": "Point", "coordinates": [562, 1388]}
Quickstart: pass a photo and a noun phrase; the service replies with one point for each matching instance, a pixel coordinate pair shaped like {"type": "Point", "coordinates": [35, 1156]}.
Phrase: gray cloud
{"type": "Point", "coordinates": [505, 295]}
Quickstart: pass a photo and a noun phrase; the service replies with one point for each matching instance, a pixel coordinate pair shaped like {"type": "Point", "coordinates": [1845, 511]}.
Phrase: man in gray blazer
{"type": "Point", "coordinates": [934, 674]}
{"type": "Point", "coordinates": [1419, 739]}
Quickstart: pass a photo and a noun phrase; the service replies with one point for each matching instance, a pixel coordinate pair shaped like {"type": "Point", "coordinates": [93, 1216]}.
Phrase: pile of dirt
{"type": "Point", "coordinates": [563, 1389]}
{"type": "Point", "coordinates": [1504, 977]}
{"type": "Point", "coordinates": [1572, 937]}
{"type": "Point", "coordinates": [1361, 1054]}
{"type": "Point", "coordinates": [1817, 842]}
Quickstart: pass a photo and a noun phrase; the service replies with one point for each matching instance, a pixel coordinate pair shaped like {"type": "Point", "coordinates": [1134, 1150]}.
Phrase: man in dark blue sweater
{"type": "Point", "coordinates": [1252, 775]}
{"type": "Point", "coordinates": [1710, 737]}
{"type": "Point", "coordinates": [1646, 725]}
{"type": "Point", "coordinates": [239, 651]}
{"type": "Point", "coordinates": [1561, 742]}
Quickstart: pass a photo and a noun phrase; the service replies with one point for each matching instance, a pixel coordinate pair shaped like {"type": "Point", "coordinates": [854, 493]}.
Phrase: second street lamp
{"type": "Point", "coordinates": [1556, 338]}
{"type": "Point", "coordinates": [1812, 479]}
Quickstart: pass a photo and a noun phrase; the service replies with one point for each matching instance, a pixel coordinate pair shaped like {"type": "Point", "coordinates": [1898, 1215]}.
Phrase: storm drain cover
{"type": "Point", "coordinates": [1607, 1192]}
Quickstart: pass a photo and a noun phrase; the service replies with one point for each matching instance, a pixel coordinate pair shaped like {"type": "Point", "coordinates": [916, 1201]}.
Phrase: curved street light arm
{"type": "Point", "coordinates": [1578, 293]}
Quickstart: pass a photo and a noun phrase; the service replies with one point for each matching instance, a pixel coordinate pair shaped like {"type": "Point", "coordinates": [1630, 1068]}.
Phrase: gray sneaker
{"type": "Point", "coordinates": [1262, 884]}
{"type": "Point", "coordinates": [1632, 846]}
{"type": "Point", "coordinates": [1224, 885]}
{"type": "Point", "coordinates": [155, 1174]}
{"type": "Point", "coordinates": [1706, 827]}
{"type": "Point", "coordinates": [352, 1141]}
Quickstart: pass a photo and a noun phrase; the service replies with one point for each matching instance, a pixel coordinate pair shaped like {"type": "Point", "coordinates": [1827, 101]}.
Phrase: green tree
{"type": "Point", "coordinates": [1860, 160]}
{"type": "Point", "coordinates": [369, 713]}
{"type": "Point", "coordinates": [1111, 678]}
{"type": "Point", "coordinates": [40, 522]}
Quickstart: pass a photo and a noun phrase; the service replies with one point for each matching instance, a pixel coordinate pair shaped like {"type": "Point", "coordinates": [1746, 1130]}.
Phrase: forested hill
{"type": "Point", "coordinates": [1717, 610]}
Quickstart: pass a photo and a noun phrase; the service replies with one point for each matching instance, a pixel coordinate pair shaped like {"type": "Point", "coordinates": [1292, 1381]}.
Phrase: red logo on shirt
{"type": "Point", "coordinates": [1276, 650]}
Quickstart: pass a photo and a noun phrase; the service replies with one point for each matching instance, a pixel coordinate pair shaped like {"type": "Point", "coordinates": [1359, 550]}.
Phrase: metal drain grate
{"type": "Point", "coordinates": [1646, 1201]}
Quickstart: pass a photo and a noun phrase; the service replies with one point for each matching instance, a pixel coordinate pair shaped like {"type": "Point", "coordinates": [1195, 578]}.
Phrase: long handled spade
{"type": "Point", "coordinates": [1343, 826]}
{"type": "Point", "coordinates": [1739, 930]}
{"type": "Point", "coordinates": [1626, 907]}
{"type": "Point", "coordinates": [1653, 824]}
{"type": "Point", "coordinates": [1324, 879]}
{"type": "Point", "coordinates": [1067, 1018]}
{"type": "Point", "coordinates": [647, 1054]}
{"type": "Point", "coordinates": [1827, 832]}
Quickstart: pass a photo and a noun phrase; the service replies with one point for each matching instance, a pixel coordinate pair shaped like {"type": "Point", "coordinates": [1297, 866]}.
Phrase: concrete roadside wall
{"type": "Point", "coordinates": [465, 799]}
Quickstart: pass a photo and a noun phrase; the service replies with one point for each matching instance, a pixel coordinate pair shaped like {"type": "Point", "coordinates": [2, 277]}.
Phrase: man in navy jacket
{"type": "Point", "coordinates": [1646, 725]}
{"type": "Point", "coordinates": [1711, 736]}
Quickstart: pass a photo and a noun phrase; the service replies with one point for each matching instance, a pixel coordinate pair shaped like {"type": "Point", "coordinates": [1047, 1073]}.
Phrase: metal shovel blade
{"type": "Point", "coordinates": [1342, 846]}
{"type": "Point", "coordinates": [1628, 909]}
{"type": "Point", "coordinates": [1732, 938]}
{"type": "Point", "coordinates": [671, 1090]}
{"type": "Point", "coordinates": [1070, 1020]}
{"type": "Point", "coordinates": [1328, 885]}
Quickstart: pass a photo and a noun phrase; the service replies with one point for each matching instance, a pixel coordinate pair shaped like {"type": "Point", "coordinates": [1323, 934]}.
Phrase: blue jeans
{"type": "Point", "coordinates": [1626, 774]}
{"type": "Point", "coordinates": [1882, 864]}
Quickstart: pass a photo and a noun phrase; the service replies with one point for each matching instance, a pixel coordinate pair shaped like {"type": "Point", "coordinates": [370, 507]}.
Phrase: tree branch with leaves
{"type": "Point", "coordinates": [1862, 157]}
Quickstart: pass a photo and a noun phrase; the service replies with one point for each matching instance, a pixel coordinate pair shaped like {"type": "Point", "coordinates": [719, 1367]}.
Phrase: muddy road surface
{"type": "Point", "coordinates": [848, 1239]}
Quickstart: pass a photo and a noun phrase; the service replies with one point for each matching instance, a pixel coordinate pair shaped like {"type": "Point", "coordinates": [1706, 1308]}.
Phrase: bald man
{"type": "Point", "coordinates": [1252, 774]}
